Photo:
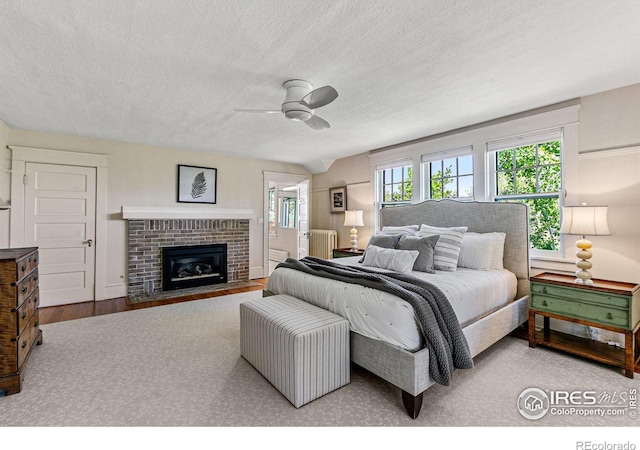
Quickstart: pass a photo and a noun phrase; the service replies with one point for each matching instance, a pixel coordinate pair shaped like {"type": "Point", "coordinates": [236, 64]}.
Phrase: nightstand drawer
{"type": "Point", "coordinates": [576, 294]}
{"type": "Point", "coordinates": [608, 315]}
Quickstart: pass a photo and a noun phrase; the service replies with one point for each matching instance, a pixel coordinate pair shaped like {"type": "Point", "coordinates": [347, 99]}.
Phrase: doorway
{"type": "Point", "coordinates": [286, 218]}
{"type": "Point", "coordinates": [58, 198]}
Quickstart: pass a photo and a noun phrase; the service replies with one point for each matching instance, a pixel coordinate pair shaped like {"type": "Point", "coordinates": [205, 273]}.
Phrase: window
{"type": "Point", "coordinates": [288, 211]}
{"type": "Point", "coordinates": [272, 211]}
{"type": "Point", "coordinates": [448, 178]}
{"type": "Point", "coordinates": [531, 172]}
{"type": "Point", "coordinates": [395, 185]}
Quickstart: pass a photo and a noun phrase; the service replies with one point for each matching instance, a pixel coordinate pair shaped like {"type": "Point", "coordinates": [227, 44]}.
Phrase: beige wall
{"type": "Point", "coordinates": [609, 159]}
{"type": "Point", "coordinates": [354, 173]}
{"type": "Point", "coordinates": [609, 164]}
{"type": "Point", "coordinates": [141, 175]}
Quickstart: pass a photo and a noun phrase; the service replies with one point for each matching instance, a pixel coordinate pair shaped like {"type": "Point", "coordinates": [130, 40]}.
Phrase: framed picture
{"type": "Point", "coordinates": [197, 184]}
{"type": "Point", "coordinates": [338, 199]}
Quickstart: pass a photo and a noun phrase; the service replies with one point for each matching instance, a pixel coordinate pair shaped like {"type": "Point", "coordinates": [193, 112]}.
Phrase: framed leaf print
{"type": "Point", "coordinates": [197, 184]}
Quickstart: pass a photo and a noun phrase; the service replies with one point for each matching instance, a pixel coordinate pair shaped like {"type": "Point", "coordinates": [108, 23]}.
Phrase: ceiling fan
{"type": "Point", "coordinates": [301, 101]}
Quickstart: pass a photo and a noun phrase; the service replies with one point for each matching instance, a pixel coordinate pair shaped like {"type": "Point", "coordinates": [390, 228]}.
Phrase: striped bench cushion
{"type": "Point", "coordinates": [302, 350]}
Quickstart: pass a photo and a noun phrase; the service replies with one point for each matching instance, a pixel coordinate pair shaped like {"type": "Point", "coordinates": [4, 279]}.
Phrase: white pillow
{"type": "Point", "coordinates": [390, 259]}
{"type": "Point", "coordinates": [447, 249]}
{"type": "Point", "coordinates": [476, 251]}
{"type": "Point", "coordinates": [497, 261]}
{"type": "Point", "coordinates": [407, 229]}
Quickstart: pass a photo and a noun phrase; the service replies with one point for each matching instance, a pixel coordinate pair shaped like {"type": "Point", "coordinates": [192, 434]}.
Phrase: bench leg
{"type": "Point", "coordinates": [412, 403]}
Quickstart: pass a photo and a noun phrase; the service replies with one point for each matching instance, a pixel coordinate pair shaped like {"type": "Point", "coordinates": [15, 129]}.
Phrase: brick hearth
{"type": "Point", "coordinates": [148, 236]}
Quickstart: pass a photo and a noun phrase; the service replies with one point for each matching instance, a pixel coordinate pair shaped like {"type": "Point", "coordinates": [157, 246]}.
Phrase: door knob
{"type": "Point", "coordinates": [89, 242]}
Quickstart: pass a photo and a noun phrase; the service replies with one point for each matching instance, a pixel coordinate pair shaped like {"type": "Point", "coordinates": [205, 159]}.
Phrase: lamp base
{"type": "Point", "coordinates": [354, 239]}
{"type": "Point", "coordinates": [583, 276]}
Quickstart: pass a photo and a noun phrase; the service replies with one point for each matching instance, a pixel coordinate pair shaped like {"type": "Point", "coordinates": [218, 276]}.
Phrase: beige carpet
{"type": "Point", "coordinates": [179, 365]}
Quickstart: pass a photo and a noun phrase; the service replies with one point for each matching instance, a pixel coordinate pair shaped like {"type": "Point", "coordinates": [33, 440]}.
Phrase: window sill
{"type": "Point", "coordinates": [553, 264]}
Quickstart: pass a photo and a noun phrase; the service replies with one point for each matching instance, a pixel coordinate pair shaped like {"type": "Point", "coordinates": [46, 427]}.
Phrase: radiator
{"type": "Point", "coordinates": [278, 255]}
{"type": "Point", "coordinates": [322, 243]}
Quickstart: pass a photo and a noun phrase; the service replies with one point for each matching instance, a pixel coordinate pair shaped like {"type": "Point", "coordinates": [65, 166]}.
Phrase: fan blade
{"type": "Point", "coordinates": [319, 97]}
{"type": "Point", "coordinates": [317, 123]}
{"type": "Point", "coordinates": [265, 111]}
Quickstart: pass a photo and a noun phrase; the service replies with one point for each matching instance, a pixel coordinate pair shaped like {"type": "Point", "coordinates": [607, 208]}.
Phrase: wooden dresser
{"type": "Point", "coordinates": [19, 328]}
{"type": "Point", "coordinates": [608, 305]}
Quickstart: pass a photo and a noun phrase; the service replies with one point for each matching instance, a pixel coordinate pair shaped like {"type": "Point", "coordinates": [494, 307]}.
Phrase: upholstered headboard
{"type": "Point", "coordinates": [480, 217]}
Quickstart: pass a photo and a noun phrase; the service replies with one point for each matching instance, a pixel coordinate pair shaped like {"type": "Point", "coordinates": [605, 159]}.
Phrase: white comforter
{"type": "Point", "coordinates": [380, 315]}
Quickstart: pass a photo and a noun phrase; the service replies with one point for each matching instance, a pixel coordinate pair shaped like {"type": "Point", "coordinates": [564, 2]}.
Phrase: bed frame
{"type": "Point", "coordinates": [409, 370]}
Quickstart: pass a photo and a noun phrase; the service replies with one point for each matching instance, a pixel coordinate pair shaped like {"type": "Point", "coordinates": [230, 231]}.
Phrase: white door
{"type": "Point", "coordinates": [303, 219]}
{"type": "Point", "coordinates": [60, 211]}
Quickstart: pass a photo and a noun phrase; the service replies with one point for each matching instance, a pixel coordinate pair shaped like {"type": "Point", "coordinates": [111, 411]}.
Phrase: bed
{"type": "Point", "coordinates": [400, 357]}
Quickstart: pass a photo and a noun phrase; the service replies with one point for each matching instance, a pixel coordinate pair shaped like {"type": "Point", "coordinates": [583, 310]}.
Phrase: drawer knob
{"type": "Point", "coordinates": [23, 268]}
{"type": "Point", "coordinates": [24, 314]}
{"type": "Point", "coordinates": [24, 344]}
{"type": "Point", "coordinates": [609, 316]}
{"type": "Point", "coordinates": [24, 289]}
{"type": "Point", "coordinates": [35, 324]}
{"type": "Point", "coordinates": [544, 303]}
{"type": "Point", "coordinates": [544, 290]}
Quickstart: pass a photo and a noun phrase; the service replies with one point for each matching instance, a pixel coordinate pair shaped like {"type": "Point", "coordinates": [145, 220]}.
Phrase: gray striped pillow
{"type": "Point", "coordinates": [447, 249]}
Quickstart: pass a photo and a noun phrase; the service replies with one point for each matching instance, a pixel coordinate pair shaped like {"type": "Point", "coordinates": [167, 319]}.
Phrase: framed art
{"type": "Point", "coordinates": [338, 199]}
{"type": "Point", "coordinates": [197, 184]}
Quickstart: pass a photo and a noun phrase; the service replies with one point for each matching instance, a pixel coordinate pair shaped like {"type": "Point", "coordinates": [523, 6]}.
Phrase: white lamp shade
{"type": "Point", "coordinates": [585, 220]}
{"type": "Point", "coordinates": [353, 218]}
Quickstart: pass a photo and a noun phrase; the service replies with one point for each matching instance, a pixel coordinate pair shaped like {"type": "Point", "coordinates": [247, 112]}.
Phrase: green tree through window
{"type": "Point", "coordinates": [532, 174]}
{"type": "Point", "coordinates": [397, 185]}
{"type": "Point", "coordinates": [450, 178]}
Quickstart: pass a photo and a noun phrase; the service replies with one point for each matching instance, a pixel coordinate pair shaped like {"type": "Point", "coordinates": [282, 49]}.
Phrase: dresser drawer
{"type": "Point", "coordinates": [27, 338]}
{"type": "Point", "coordinates": [26, 287]}
{"type": "Point", "coordinates": [26, 265]}
{"type": "Point", "coordinates": [577, 294]}
{"type": "Point", "coordinates": [607, 315]}
{"type": "Point", "coordinates": [27, 309]}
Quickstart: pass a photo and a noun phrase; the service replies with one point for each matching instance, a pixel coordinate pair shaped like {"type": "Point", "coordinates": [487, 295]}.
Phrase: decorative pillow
{"type": "Point", "coordinates": [425, 245]}
{"type": "Point", "coordinates": [390, 259]}
{"type": "Point", "coordinates": [498, 239]}
{"type": "Point", "coordinates": [476, 251]}
{"type": "Point", "coordinates": [382, 240]}
{"type": "Point", "coordinates": [447, 250]}
{"type": "Point", "coordinates": [408, 229]}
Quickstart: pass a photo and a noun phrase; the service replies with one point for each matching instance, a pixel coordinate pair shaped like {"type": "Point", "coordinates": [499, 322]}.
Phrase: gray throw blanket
{"type": "Point", "coordinates": [448, 347]}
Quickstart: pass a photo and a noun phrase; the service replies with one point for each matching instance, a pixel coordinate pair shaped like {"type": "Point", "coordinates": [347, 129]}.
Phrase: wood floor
{"type": "Point", "coordinates": [61, 313]}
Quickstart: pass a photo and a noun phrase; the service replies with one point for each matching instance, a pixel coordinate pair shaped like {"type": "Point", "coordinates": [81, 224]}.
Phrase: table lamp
{"type": "Point", "coordinates": [353, 219]}
{"type": "Point", "coordinates": [584, 220]}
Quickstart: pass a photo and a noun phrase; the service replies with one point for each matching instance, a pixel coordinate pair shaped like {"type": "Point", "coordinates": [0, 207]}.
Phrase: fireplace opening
{"type": "Point", "coordinates": [193, 265]}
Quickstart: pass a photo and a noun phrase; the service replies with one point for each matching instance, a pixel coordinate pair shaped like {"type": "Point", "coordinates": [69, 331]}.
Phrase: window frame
{"type": "Point", "coordinates": [457, 153]}
{"type": "Point", "coordinates": [563, 116]}
{"type": "Point", "coordinates": [525, 139]}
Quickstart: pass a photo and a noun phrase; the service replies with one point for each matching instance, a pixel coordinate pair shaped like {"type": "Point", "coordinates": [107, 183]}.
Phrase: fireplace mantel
{"type": "Point", "coordinates": [177, 212]}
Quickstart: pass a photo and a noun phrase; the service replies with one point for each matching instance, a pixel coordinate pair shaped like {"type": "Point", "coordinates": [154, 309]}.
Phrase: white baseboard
{"type": "Point", "coordinates": [256, 272]}
{"type": "Point", "coordinates": [114, 291]}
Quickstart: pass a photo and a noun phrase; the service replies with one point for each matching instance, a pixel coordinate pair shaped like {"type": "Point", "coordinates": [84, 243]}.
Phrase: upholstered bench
{"type": "Point", "coordinates": [302, 350]}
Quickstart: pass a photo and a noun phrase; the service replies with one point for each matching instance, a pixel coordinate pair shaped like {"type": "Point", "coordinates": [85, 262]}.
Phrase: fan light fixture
{"type": "Point", "coordinates": [301, 101]}
{"type": "Point", "coordinates": [584, 220]}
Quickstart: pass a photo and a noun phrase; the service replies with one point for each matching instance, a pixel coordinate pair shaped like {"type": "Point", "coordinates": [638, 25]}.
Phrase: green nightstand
{"type": "Point", "coordinates": [346, 252]}
{"type": "Point", "coordinates": [608, 305]}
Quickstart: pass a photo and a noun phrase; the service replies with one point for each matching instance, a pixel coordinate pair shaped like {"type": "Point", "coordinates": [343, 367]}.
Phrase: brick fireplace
{"type": "Point", "coordinates": [147, 237]}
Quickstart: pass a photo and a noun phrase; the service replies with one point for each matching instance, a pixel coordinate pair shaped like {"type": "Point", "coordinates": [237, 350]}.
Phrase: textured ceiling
{"type": "Point", "coordinates": [171, 72]}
